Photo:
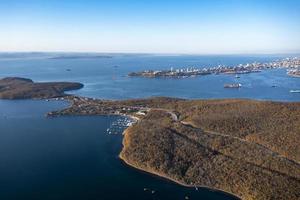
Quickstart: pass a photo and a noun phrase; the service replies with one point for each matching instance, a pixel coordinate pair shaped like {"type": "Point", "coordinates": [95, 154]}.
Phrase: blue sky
{"type": "Point", "coordinates": [151, 26]}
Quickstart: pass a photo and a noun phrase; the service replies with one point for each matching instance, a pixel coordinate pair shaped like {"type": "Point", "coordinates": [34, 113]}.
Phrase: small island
{"type": "Point", "coordinates": [248, 148]}
{"type": "Point", "coordinates": [80, 56]}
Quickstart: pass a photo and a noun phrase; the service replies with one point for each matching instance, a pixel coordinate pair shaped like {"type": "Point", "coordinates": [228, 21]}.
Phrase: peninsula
{"type": "Point", "coordinates": [244, 147]}
{"type": "Point", "coordinates": [22, 88]}
{"type": "Point", "coordinates": [292, 64]}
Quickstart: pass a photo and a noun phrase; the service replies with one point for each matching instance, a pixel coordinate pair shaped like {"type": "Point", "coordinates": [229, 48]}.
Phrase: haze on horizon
{"type": "Point", "coordinates": [151, 26]}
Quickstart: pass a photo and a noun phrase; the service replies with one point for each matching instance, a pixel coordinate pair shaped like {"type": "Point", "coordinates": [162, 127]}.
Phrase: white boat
{"type": "Point", "coordinates": [294, 91]}
{"type": "Point", "coordinates": [233, 85]}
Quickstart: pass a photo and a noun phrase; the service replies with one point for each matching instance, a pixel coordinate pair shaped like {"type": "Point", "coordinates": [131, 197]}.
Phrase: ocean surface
{"type": "Point", "coordinates": [76, 157]}
{"type": "Point", "coordinates": [107, 77]}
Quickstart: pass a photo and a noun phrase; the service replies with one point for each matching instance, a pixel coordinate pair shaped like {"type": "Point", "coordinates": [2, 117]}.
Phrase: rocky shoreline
{"type": "Point", "coordinates": [164, 176]}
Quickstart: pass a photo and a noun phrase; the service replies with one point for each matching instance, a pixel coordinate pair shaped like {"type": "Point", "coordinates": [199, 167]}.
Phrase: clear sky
{"type": "Point", "coordinates": [151, 26]}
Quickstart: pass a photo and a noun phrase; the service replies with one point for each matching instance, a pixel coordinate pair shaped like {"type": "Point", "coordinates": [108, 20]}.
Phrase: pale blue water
{"type": "Point", "coordinates": [74, 157]}
{"type": "Point", "coordinates": [103, 80]}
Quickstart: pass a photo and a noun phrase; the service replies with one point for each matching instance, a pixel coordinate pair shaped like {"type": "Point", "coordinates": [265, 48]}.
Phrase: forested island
{"type": "Point", "coordinates": [244, 147]}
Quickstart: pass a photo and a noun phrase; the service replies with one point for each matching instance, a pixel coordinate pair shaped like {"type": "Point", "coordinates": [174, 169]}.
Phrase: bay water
{"type": "Point", "coordinates": [76, 157]}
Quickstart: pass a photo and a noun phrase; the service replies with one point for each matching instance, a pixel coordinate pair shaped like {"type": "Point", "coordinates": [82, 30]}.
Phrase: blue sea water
{"type": "Point", "coordinates": [75, 157]}
{"type": "Point", "coordinates": [72, 158]}
{"type": "Point", "coordinates": [107, 77]}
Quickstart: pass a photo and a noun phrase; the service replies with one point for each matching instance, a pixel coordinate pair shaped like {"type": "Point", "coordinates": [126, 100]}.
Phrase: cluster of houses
{"type": "Point", "coordinates": [289, 63]}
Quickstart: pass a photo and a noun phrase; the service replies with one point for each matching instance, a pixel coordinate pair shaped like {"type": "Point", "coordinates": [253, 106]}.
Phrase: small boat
{"type": "Point", "coordinates": [294, 91]}
{"type": "Point", "coordinates": [237, 76]}
{"type": "Point", "coordinates": [129, 124]}
{"type": "Point", "coordinates": [233, 85]}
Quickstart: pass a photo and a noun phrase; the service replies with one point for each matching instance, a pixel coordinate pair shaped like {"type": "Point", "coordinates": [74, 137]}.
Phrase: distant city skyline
{"type": "Point", "coordinates": [132, 26]}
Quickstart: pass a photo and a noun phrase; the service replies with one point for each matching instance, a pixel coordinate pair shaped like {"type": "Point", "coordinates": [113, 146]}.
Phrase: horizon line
{"type": "Point", "coordinates": [155, 53]}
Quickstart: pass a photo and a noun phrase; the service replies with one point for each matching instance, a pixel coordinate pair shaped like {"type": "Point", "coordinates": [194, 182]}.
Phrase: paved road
{"type": "Point", "coordinates": [173, 115]}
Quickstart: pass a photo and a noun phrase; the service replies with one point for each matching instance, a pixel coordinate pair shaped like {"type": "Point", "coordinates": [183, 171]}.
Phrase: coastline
{"type": "Point", "coordinates": [287, 63]}
{"type": "Point", "coordinates": [167, 178]}
{"type": "Point", "coordinates": [164, 112]}
{"type": "Point", "coordinates": [164, 176]}
{"type": "Point", "coordinates": [294, 75]}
